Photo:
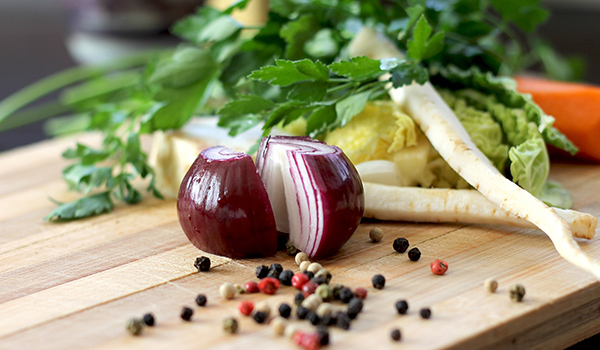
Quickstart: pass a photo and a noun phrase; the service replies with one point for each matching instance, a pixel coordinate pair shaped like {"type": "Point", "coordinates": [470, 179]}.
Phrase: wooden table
{"type": "Point", "coordinates": [74, 285]}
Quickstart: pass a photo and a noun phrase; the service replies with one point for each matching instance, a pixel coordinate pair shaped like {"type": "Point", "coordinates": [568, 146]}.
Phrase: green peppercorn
{"type": "Point", "coordinates": [186, 313]}
{"type": "Point", "coordinates": [376, 235]}
{"type": "Point", "coordinates": [425, 313]}
{"type": "Point", "coordinates": [396, 335]}
{"type": "Point", "coordinates": [400, 244]}
{"type": "Point", "coordinates": [516, 292]}
{"type": "Point", "coordinates": [285, 310]}
{"type": "Point", "coordinates": [325, 292]}
{"type": "Point", "coordinates": [134, 326]}
{"type": "Point", "coordinates": [202, 264]}
{"type": "Point", "coordinates": [414, 254]}
{"type": "Point", "coordinates": [378, 281]}
{"type": "Point", "coordinates": [230, 325]}
{"type": "Point", "coordinates": [291, 250]}
{"type": "Point", "coordinates": [148, 319]}
{"type": "Point", "coordinates": [201, 300]}
{"type": "Point", "coordinates": [402, 307]}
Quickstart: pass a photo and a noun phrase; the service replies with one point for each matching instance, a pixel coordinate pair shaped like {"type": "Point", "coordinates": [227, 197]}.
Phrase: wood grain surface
{"type": "Point", "coordinates": [74, 285]}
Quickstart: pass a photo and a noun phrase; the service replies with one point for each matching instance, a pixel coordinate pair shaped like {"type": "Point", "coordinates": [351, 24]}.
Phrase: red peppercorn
{"type": "Point", "coordinates": [309, 288]}
{"type": "Point", "coordinates": [311, 341]}
{"type": "Point", "coordinates": [268, 285]}
{"type": "Point", "coordinates": [246, 307]}
{"type": "Point", "coordinates": [251, 287]}
{"type": "Point", "coordinates": [298, 280]}
{"type": "Point", "coordinates": [360, 292]}
{"type": "Point", "coordinates": [439, 267]}
{"type": "Point", "coordinates": [297, 338]}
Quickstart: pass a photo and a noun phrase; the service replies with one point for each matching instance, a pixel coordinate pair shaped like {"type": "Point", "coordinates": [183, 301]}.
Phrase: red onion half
{"type": "Point", "coordinates": [315, 192]}
{"type": "Point", "coordinates": [223, 206]}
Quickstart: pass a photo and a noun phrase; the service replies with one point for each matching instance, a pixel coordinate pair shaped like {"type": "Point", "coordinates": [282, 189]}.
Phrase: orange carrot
{"type": "Point", "coordinates": [576, 108]}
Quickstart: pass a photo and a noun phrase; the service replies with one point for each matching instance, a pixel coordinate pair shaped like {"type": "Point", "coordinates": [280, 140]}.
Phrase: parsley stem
{"type": "Point", "coordinates": [342, 87]}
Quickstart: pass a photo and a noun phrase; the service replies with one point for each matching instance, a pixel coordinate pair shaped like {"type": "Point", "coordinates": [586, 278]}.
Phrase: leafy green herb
{"type": "Point", "coordinates": [294, 66]}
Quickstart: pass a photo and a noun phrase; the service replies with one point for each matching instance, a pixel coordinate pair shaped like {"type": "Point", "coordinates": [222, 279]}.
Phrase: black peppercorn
{"type": "Point", "coordinates": [414, 254]}
{"type": "Point", "coordinates": [202, 264]}
{"type": "Point", "coordinates": [355, 305]}
{"type": "Point", "coordinates": [298, 298]}
{"type": "Point", "coordinates": [285, 310]}
{"type": "Point", "coordinates": [260, 316]}
{"type": "Point", "coordinates": [186, 313]}
{"type": "Point", "coordinates": [425, 313]}
{"type": "Point", "coordinates": [378, 281]}
{"type": "Point", "coordinates": [401, 307]}
{"type": "Point", "coordinates": [309, 274]}
{"type": "Point", "coordinates": [277, 267]}
{"type": "Point", "coordinates": [319, 280]}
{"type": "Point", "coordinates": [262, 271]}
{"type": "Point", "coordinates": [201, 300]}
{"type": "Point", "coordinates": [327, 320]}
{"type": "Point", "coordinates": [396, 335]}
{"type": "Point", "coordinates": [336, 288]}
{"type": "Point", "coordinates": [148, 319]}
{"type": "Point", "coordinates": [302, 312]}
{"type": "Point", "coordinates": [400, 244]}
{"type": "Point", "coordinates": [323, 335]}
{"type": "Point", "coordinates": [346, 295]}
{"type": "Point", "coordinates": [342, 320]}
{"type": "Point", "coordinates": [285, 277]}
{"type": "Point", "coordinates": [273, 274]}
{"type": "Point", "coordinates": [313, 318]}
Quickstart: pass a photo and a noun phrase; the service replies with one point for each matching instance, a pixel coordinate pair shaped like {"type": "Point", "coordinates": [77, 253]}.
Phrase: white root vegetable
{"type": "Point", "coordinates": [418, 204]}
{"type": "Point", "coordinates": [451, 140]}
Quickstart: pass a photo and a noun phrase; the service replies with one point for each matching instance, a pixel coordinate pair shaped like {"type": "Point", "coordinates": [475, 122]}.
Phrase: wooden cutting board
{"type": "Point", "coordinates": [74, 285]}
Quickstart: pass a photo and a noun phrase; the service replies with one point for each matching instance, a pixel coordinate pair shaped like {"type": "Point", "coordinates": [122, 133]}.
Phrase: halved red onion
{"type": "Point", "coordinates": [223, 206]}
{"type": "Point", "coordinates": [315, 192]}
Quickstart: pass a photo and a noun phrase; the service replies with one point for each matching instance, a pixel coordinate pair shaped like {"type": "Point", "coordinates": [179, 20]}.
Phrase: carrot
{"type": "Point", "coordinates": [575, 107]}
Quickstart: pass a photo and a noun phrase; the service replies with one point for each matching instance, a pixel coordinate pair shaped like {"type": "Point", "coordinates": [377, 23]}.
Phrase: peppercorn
{"type": "Point", "coordinates": [376, 235]}
{"type": "Point", "coordinates": [278, 324]}
{"type": "Point", "coordinates": [262, 271]}
{"type": "Point", "coordinates": [309, 274]}
{"type": "Point", "coordinates": [308, 288]}
{"type": "Point", "coordinates": [318, 280]}
{"type": "Point", "coordinates": [273, 274]}
{"type": "Point", "coordinates": [346, 295]}
{"type": "Point", "coordinates": [251, 287]}
{"type": "Point", "coordinates": [336, 288]}
{"type": "Point", "coordinates": [134, 326]}
{"type": "Point", "coordinates": [201, 300]}
{"type": "Point", "coordinates": [313, 318]}
{"type": "Point", "coordinates": [202, 264]}
{"type": "Point", "coordinates": [324, 309]}
{"type": "Point", "coordinates": [246, 307]}
{"type": "Point", "coordinates": [304, 265]}
{"type": "Point", "coordinates": [401, 307]}
{"type": "Point", "coordinates": [285, 310]}
{"type": "Point", "coordinates": [378, 281]}
{"type": "Point", "coordinates": [324, 274]}
{"type": "Point", "coordinates": [414, 254]}
{"type": "Point", "coordinates": [260, 317]}
{"type": "Point", "coordinates": [298, 280]}
{"type": "Point", "coordinates": [230, 325]}
{"type": "Point", "coordinates": [327, 319]}
{"type": "Point", "coordinates": [425, 313]}
{"type": "Point", "coordinates": [355, 305]}
{"type": "Point", "coordinates": [277, 267]}
{"type": "Point", "coordinates": [291, 249]}
{"type": "Point", "coordinates": [312, 302]}
{"type": "Point", "coordinates": [302, 312]}
{"type": "Point", "coordinates": [516, 292]}
{"type": "Point", "coordinates": [298, 298]}
{"type": "Point", "coordinates": [148, 319]}
{"type": "Point", "coordinates": [314, 267]}
{"type": "Point", "coordinates": [439, 267]}
{"type": "Point", "coordinates": [268, 285]}
{"type": "Point", "coordinates": [323, 335]}
{"type": "Point", "coordinates": [400, 244]}
{"type": "Point", "coordinates": [325, 292]}
{"type": "Point", "coordinates": [227, 290]}
{"type": "Point", "coordinates": [239, 289]}
{"type": "Point", "coordinates": [285, 277]}
{"type": "Point", "coordinates": [490, 285]}
{"type": "Point", "coordinates": [186, 313]}
{"type": "Point", "coordinates": [342, 320]}
{"type": "Point", "coordinates": [361, 293]}
{"type": "Point", "coordinates": [300, 257]}
{"type": "Point", "coordinates": [396, 335]}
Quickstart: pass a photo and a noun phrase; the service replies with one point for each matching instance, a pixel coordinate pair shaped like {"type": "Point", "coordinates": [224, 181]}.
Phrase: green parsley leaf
{"type": "Point", "coordinates": [358, 68]}
{"type": "Point", "coordinates": [84, 207]}
{"type": "Point", "coordinates": [296, 33]}
{"type": "Point", "coordinates": [423, 45]}
{"type": "Point", "coordinates": [286, 72]}
{"type": "Point", "coordinates": [349, 107]}
{"type": "Point", "coordinates": [527, 14]}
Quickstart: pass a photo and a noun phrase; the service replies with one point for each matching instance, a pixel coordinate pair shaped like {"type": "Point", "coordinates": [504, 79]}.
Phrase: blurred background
{"type": "Point", "coordinates": [40, 37]}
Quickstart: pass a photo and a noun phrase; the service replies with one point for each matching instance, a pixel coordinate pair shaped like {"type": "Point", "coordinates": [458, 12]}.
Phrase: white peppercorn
{"type": "Point", "coordinates": [300, 257]}
{"type": "Point", "coordinates": [227, 290]}
{"type": "Point", "coordinates": [324, 309]}
{"type": "Point", "coordinates": [304, 265]}
{"type": "Point", "coordinates": [314, 267]}
{"type": "Point", "coordinates": [264, 307]}
{"type": "Point", "coordinates": [376, 234]}
{"type": "Point", "coordinates": [490, 285]}
{"type": "Point", "coordinates": [278, 325]}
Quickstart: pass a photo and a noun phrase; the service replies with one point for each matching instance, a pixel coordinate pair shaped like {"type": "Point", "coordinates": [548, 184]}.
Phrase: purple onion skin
{"type": "Point", "coordinates": [223, 206]}
{"type": "Point", "coordinates": [343, 200]}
